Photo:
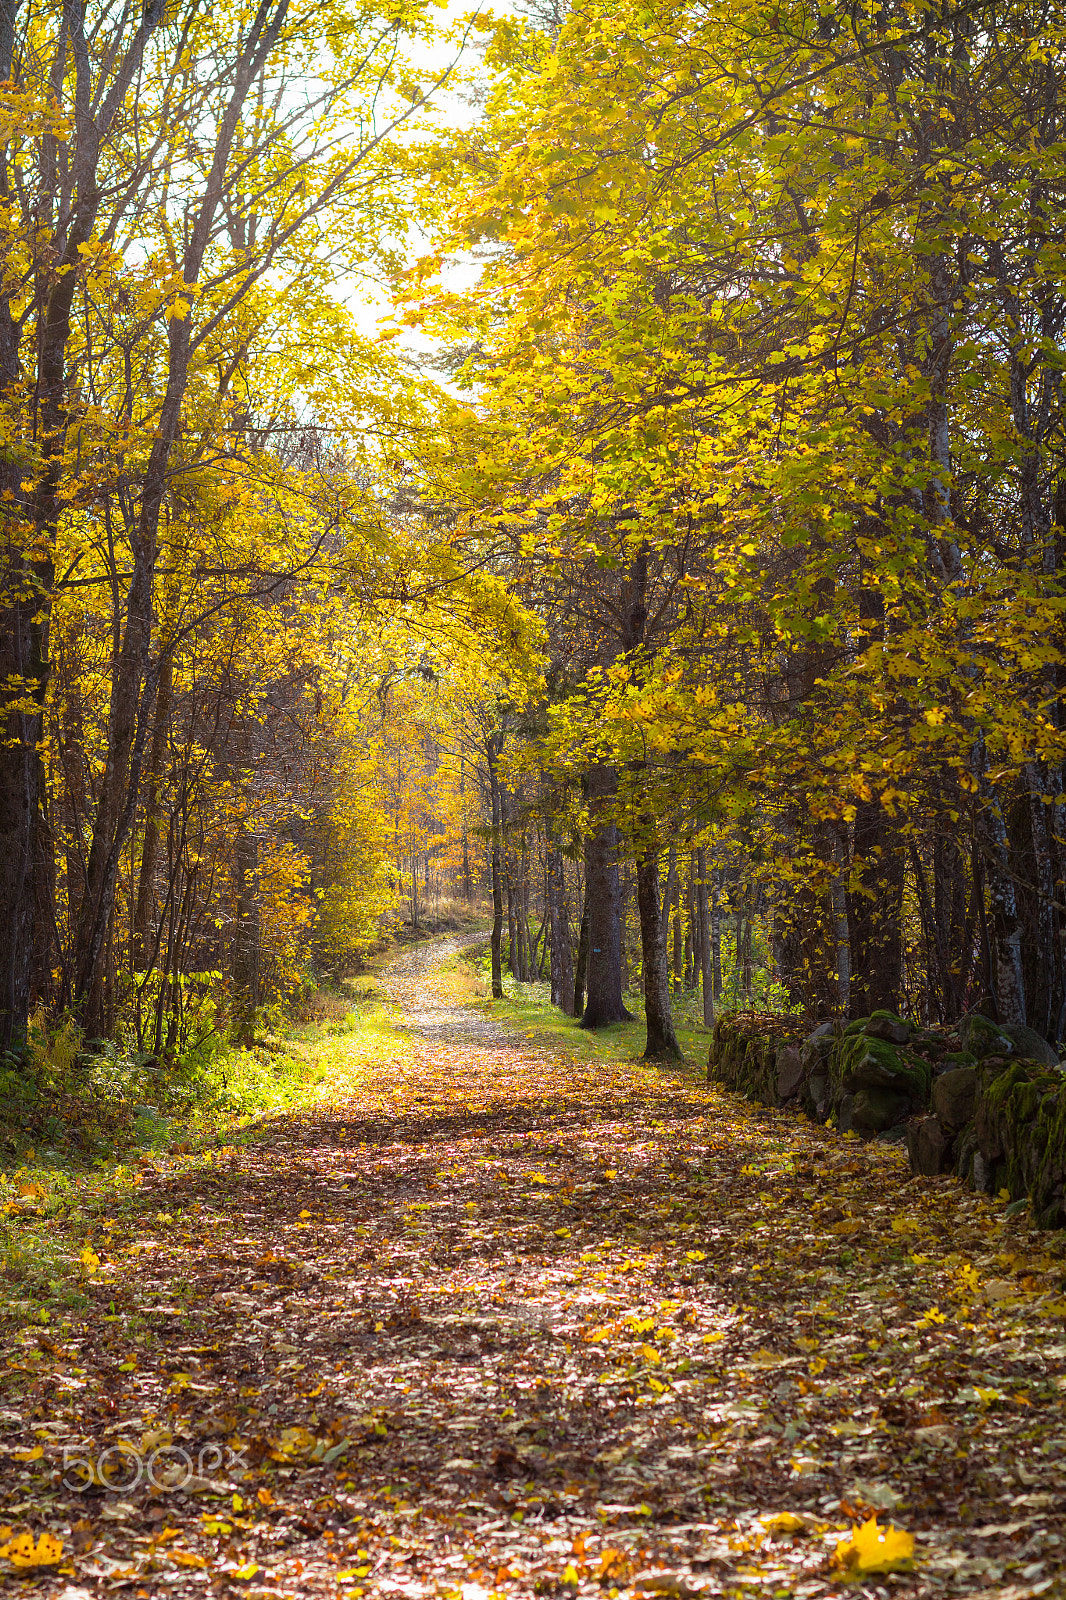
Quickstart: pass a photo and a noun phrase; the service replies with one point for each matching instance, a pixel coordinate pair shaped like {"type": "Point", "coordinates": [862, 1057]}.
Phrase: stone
{"type": "Point", "coordinates": [965, 1146]}
{"type": "Point", "coordinates": [1030, 1045]}
{"type": "Point", "coordinates": [988, 1125]}
{"type": "Point", "coordinates": [928, 1042]}
{"type": "Point", "coordinates": [981, 1037]}
{"type": "Point", "coordinates": [928, 1146]}
{"type": "Point", "coordinates": [818, 1089]}
{"type": "Point", "coordinates": [789, 1072]}
{"type": "Point", "coordinates": [884, 1025]}
{"type": "Point", "coordinates": [954, 1094]}
{"type": "Point", "coordinates": [817, 1045]}
{"type": "Point", "coordinates": [874, 1110]}
{"type": "Point", "coordinates": [846, 1113]}
{"type": "Point", "coordinates": [866, 1063]}
{"type": "Point", "coordinates": [981, 1173]}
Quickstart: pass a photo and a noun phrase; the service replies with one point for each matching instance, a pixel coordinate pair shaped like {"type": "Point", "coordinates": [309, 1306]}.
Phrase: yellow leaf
{"type": "Point", "coordinates": [562, 1233]}
{"type": "Point", "coordinates": [816, 1366]}
{"type": "Point", "coordinates": [187, 1558]}
{"type": "Point", "coordinates": [295, 1442]}
{"type": "Point", "coordinates": [28, 1455]}
{"type": "Point", "coordinates": [649, 1352]}
{"type": "Point", "coordinates": [23, 1553]}
{"type": "Point", "coordinates": [783, 1522]}
{"type": "Point", "coordinates": [249, 1570]}
{"type": "Point", "coordinates": [304, 1214]}
{"type": "Point", "coordinates": [612, 1174]}
{"type": "Point", "coordinates": [872, 1548]}
{"type": "Point", "coordinates": [695, 1255]}
{"type": "Point", "coordinates": [765, 1358]}
{"type": "Point", "coordinates": [904, 1225]}
{"type": "Point", "coordinates": [90, 1259]}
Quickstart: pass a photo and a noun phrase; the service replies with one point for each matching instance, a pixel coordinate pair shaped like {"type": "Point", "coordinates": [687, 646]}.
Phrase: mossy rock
{"type": "Point", "coordinates": [981, 1037]}
{"type": "Point", "coordinates": [857, 1026]}
{"type": "Point", "coordinates": [859, 1062]}
{"type": "Point", "coordinates": [818, 1095]}
{"type": "Point", "coordinates": [1030, 1045]}
{"type": "Point", "coordinates": [886, 1025]}
{"type": "Point", "coordinates": [876, 1110]}
{"type": "Point", "coordinates": [745, 1059]}
{"type": "Point", "coordinates": [1020, 1135]}
{"type": "Point", "coordinates": [927, 1042]}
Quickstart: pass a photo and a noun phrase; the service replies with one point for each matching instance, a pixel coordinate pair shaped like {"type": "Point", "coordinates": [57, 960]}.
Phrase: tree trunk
{"type": "Point", "coordinates": [152, 813]}
{"type": "Point", "coordinates": [132, 688]}
{"type": "Point", "coordinates": [468, 890]}
{"type": "Point", "coordinates": [675, 920]}
{"type": "Point", "coordinates": [603, 1002]}
{"type": "Point", "coordinates": [716, 933]}
{"type": "Point", "coordinates": [661, 1042]}
{"type": "Point", "coordinates": [839, 893]}
{"type": "Point", "coordinates": [875, 910]}
{"type": "Point", "coordinates": [1004, 929]}
{"type": "Point", "coordinates": [512, 926]}
{"type": "Point", "coordinates": [669, 886]}
{"type": "Point", "coordinates": [493, 750]}
{"type": "Point", "coordinates": [581, 970]}
{"type": "Point", "coordinates": [45, 930]}
{"type": "Point", "coordinates": [706, 964]}
{"type": "Point", "coordinates": [246, 940]}
{"type": "Point", "coordinates": [562, 962]}
{"type": "Point", "coordinates": [689, 926]}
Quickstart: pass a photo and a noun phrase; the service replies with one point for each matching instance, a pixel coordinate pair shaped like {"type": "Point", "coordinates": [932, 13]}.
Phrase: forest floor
{"type": "Point", "coordinates": [493, 1320]}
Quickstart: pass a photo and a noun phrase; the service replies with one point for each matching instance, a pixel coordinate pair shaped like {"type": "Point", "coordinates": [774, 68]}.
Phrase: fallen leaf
{"type": "Point", "coordinates": [875, 1549]}
{"type": "Point", "coordinates": [24, 1554]}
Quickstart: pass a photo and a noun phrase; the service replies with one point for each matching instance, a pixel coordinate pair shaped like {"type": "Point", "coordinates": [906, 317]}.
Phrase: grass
{"type": "Point", "coordinates": [51, 1203]}
{"type": "Point", "coordinates": [527, 1007]}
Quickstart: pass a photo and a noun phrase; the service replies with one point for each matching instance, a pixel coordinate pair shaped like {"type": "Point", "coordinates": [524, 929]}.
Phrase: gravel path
{"type": "Point", "coordinates": [493, 1322]}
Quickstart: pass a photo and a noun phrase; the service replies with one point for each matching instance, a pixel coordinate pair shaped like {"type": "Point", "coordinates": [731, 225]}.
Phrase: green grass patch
{"type": "Point", "coordinates": [55, 1202]}
{"type": "Point", "coordinates": [527, 1008]}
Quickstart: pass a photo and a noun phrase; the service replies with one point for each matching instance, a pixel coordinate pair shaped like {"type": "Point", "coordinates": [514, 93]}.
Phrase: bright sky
{"type": "Point", "coordinates": [371, 304]}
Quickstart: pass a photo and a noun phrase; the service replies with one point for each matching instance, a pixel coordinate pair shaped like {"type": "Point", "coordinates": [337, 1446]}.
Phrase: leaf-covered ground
{"type": "Point", "coordinates": [503, 1323]}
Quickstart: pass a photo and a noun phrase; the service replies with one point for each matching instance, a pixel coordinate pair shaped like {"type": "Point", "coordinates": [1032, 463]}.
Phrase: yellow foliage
{"type": "Point", "coordinates": [872, 1548]}
{"type": "Point", "coordinates": [23, 1553]}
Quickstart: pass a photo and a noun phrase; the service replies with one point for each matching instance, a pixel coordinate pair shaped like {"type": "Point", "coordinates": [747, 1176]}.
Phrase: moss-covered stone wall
{"type": "Point", "coordinates": [984, 1100]}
